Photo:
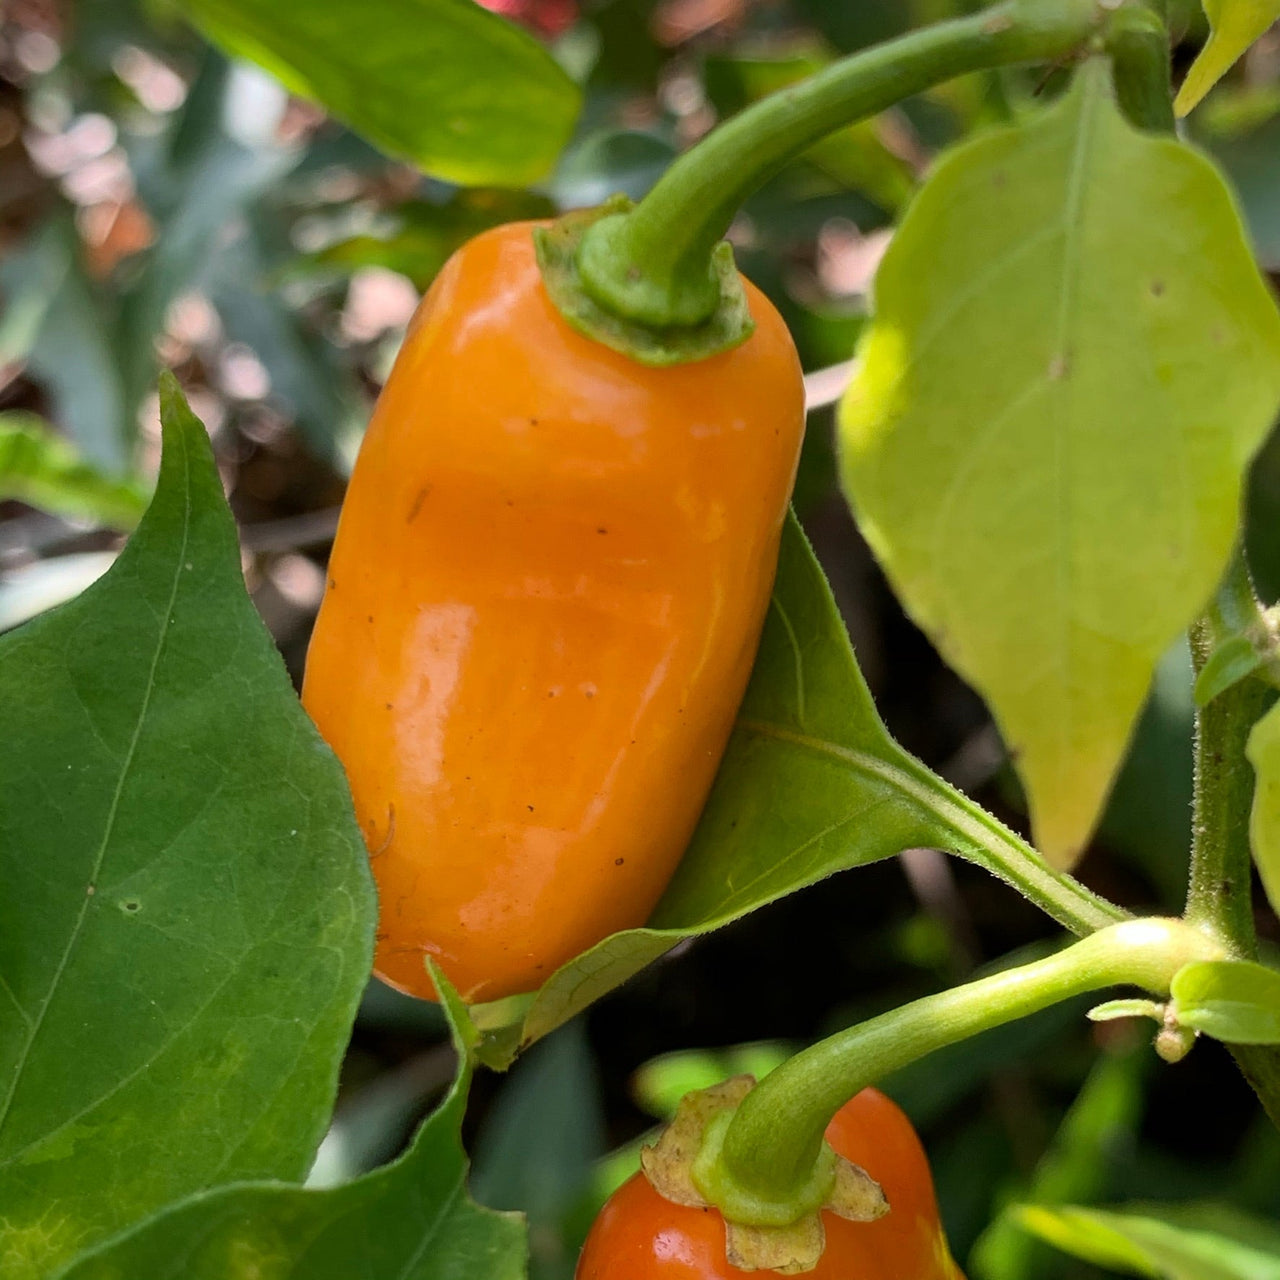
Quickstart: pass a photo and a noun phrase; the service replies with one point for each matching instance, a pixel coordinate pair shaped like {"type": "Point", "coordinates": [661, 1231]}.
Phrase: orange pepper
{"type": "Point", "coordinates": [544, 600]}
{"type": "Point", "coordinates": [640, 1236]}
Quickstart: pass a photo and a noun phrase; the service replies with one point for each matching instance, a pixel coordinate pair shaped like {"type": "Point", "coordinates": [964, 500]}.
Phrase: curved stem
{"type": "Point", "coordinates": [776, 1136]}
{"type": "Point", "coordinates": [652, 263]}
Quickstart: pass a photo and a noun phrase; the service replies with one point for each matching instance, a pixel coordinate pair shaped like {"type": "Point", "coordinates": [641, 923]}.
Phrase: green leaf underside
{"type": "Point", "coordinates": [43, 470]}
{"type": "Point", "coordinates": [1235, 1001]}
{"type": "Point", "coordinates": [811, 784]}
{"type": "Point", "coordinates": [1073, 360]}
{"type": "Point", "coordinates": [1210, 1242]}
{"type": "Point", "coordinates": [411, 1220]}
{"type": "Point", "coordinates": [462, 93]}
{"type": "Point", "coordinates": [1264, 820]}
{"type": "Point", "coordinates": [186, 916]}
{"type": "Point", "coordinates": [1235, 24]}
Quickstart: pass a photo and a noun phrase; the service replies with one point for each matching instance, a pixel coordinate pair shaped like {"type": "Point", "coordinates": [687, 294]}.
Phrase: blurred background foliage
{"type": "Point", "coordinates": [161, 204]}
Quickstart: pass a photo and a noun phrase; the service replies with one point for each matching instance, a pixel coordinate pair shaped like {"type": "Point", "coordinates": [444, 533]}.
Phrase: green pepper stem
{"type": "Point", "coordinates": [776, 1136]}
{"type": "Point", "coordinates": [1219, 894]}
{"type": "Point", "coordinates": [1138, 42]}
{"type": "Point", "coordinates": [652, 264]}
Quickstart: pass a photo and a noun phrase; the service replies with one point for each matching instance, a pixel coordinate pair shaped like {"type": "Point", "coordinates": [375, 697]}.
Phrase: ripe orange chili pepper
{"type": "Point", "coordinates": [640, 1236]}
{"type": "Point", "coordinates": [544, 600]}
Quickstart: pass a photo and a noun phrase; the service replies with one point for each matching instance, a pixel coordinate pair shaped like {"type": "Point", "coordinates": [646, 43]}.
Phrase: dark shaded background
{"type": "Point", "coordinates": [158, 205]}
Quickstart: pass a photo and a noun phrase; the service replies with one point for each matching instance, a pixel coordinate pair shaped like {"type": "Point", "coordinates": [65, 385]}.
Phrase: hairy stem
{"type": "Point", "coordinates": [1219, 896]}
{"type": "Point", "coordinates": [651, 264]}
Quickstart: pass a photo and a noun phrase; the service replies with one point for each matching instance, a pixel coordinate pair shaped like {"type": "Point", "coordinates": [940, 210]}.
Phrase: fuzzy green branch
{"type": "Point", "coordinates": [776, 1137]}
{"type": "Point", "coordinates": [653, 264]}
{"type": "Point", "coordinates": [1219, 896]}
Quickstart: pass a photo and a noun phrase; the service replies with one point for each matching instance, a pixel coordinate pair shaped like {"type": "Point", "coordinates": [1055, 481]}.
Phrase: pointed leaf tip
{"type": "Point", "coordinates": [1235, 24]}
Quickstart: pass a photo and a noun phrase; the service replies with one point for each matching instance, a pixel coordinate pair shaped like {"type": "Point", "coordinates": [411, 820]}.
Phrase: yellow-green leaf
{"type": "Point", "coordinates": [1073, 360]}
{"type": "Point", "coordinates": [1264, 821]}
{"type": "Point", "coordinates": [1235, 24]}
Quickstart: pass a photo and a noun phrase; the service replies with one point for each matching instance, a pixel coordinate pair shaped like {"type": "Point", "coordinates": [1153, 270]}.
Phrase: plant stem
{"type": "Point", "coordinates": [1138, 42]}
{"type": "Point", "coordinates": [776, 1136]}
{"type": "Point", "coordinates": [1220, 893]}
{"type": "Point", "coordinates": [1219, 896]}
{"type": "Point", "coordinates": [651, 264]}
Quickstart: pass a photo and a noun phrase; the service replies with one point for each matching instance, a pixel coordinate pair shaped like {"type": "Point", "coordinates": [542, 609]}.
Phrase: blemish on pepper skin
{"type": "Point", "coordinates": [333, 584]}
{"type": "Point", "coordinates": [130, 905]}
{"type": "Point", "coordinates": [602, 530]}
{"type": "Point", "coordinates": [391, 831]}
{"type": "Point", "coordinates": [529, 807]}
{"type": "Point", "coordinates": [617, 862]}
{"type": "Point", "coordinates": [1157, 288]}
{"type": "Point", "coordinates": [417, 503]}
{"type": "Point", "coordinates": [370, 617]}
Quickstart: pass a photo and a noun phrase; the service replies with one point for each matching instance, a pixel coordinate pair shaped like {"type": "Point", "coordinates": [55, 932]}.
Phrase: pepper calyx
{"type": "Point", "coordinates": [684, 1166]}
{"type": "Point", "coordinates": [558, 246]}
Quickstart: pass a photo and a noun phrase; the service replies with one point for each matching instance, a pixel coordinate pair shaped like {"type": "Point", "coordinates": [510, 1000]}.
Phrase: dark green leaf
{"type": "Point", "coordinates": [43, 470]}
{"type": "Point", "coordinates": [412, 1220]}
{"type": "Point", "coordinates": [444, 83]}
{"type": "Point", "coordinates": [28, 591]}
{"type": "Point", "coordinates": [186, 915]}
{"type": "Point", "coordinates": [537, 1149]}
{"type": "Point", "coordinates": [1235, 1001]}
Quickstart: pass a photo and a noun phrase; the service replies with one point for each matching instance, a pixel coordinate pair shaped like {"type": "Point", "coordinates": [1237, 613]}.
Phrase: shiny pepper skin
{"type": "Point", "coordinates": [640, 1236]}
{"type": "Point", "coordinates": [544, 600]}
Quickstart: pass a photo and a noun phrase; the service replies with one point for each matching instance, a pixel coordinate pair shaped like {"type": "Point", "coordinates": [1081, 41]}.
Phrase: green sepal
{"type": "Point", "coordinates": [1235, 659]}
{"type": "Point", "coordinates": [1235, 1001]}
{"type": "Point", "coordinates": [738, 1203]}
{"type": "Point", "coordinates": [462, 1030]}
{"type": "Point", "coordinates": [729, 326]}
